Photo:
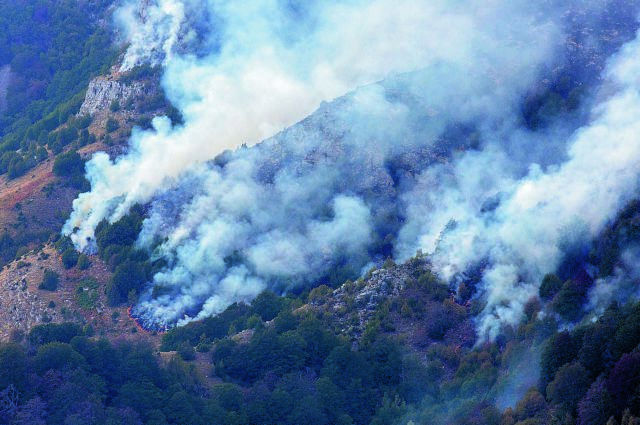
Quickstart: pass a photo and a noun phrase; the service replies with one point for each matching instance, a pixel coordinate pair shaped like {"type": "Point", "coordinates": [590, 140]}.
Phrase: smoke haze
{"type": "Point", "coordinates": [523, 236]}
{"type": "Point", "coordinates": [427, 149]}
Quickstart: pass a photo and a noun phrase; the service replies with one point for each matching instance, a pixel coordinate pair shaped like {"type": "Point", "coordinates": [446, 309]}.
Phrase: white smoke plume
{"type": "Point", "coordinates": [319, 195]}
{"type": "Point", "coordinates": [621, 287]}
{"type": "Point", "coordinates": [265, 77]}
{"type": "Point", "coordinates": [523, 237]}
{"type": "Point", "coordinates": [153, 30]}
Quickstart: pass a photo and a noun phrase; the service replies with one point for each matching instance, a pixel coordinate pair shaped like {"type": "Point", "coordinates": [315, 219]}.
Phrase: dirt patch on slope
{"type": "Point", "coordinates": [80, 298]}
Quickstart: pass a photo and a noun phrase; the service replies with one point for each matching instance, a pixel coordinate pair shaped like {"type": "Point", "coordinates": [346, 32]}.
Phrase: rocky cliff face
{"type": "Point", "coordinates": [365, 295]}
{"type": "Point", "coordinates": [103, 91]}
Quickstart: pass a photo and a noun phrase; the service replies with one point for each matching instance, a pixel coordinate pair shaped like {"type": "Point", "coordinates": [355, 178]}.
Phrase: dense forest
{"type": "Point", "coordinates": [289, 360]}
{"type": "Point", "coordinates": [281, 362]}
{"type": "Point", "coordinates": [52, 51]}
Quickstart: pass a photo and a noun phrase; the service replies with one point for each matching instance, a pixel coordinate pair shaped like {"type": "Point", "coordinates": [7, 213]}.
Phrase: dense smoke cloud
{"type": "Point", "coordinates": [537, 214]}
{"type": "Point", "coordinates": [268, 70]}
{"type": "Point", "coordinates": [435, 154]}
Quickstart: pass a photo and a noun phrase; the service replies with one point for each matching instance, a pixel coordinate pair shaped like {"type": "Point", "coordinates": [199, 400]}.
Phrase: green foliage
{"type": "Point", "coordinates": [531, 406]}
{"type": "Point", "coordinates": [53, 332]}
{"type": "Point", "coordinates": [592, 373]}
{"type": "Point", "coordinates": [50, 280]}
{"type": "Point", "coordinates": [562, 348]}
{"type": "Point", "coordinates": [570, 384]}
{"type": "Point", "coordinates": [57, 355]}
{"type": "Point", "coordinates": [68, 165]}
{"type": "Point", "coordinates": [140, 72]}
{"type": "Point", "coordinates": [21, 264]}
{"type": "Point", "coordinates": [596, 407]}
{"type": "Point", "coordinates": [86, 138]}
{"type": "Point", "coordinates": [128, 276]}
{"type": "Point", "coordinates": [18, 167]}
{"type": "Point", "coordinates": [267, 305]}
{"type": "Point", "coordinates": [186, 351]}
{"type": "Point", "coordinates": [596, 337]}
{"type": "Point", "coordinates": [81, 123]}
{"type": "Point", "coordinates": [568, 301]}
{"type": "Point", "coordinates": [63, 243]}
{"type": "Point", "coordinates": [624, 231]}
{"type": "Point", "coordinates": [441, 317]}
{"type": "Point", "coordinates": [319, 295]}
{"type": "Point", "coordinates": [13, 359]}
{"type": "Point", "coordinates": [111, 125]}
{"type": "Point", "coordinates": [295, 368]}
{"type": "Point", "coordinates": [70, 258]}
{"type": "Point", "coordinates": [132, 268]}
{"type": "Point", "coordinates": [209, 329]}
{"type": "Point", "coordinates": [62, 138]}
{"type": "Point", "coordinates": [83, 262]}
{"type": "Point", "coordinates": [254, 322]}
{"type": "Point", "coordinates": [53, 50]}
{"type": "Point", "coordinates": [7, 247]}
{"type": "Point", "coordinates": [123, 232]}
{"type": "Point", "coordinates": [87, 293]}
{"type": "Point", "coordinates": [550, 286]}
{"type": "Point", "coordinates": [627, 334]}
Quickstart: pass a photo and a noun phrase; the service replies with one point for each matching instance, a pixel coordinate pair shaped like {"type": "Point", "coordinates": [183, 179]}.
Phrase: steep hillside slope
{"type": "Point", "coordinates": [430, 159]}
{"type": "Point", "coordinates": [258, 284]}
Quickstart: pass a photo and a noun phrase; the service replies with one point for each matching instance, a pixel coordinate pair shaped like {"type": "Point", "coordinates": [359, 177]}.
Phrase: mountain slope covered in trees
{"type": "Point", "coordinates": [393, 343]}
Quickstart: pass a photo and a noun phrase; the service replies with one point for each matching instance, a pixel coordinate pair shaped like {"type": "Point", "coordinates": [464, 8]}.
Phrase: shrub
{"type": "Point", "coordinates": [83, 122]}
{"type": "Point", "coordinates": [561, 349]}
{"type": "Point", "coordinates": [440, 318]}
{"type": "Point", "coordinates": [123, 232]}
{"type": "Point", "coordinates": [128, 276]}
{"type": "Point", "coordinates": [550, 286]}
{"type": "Point", "coordinates": [83, 262]}
{"type": "Point", "coordinates": [70, 258]}
{"type": "Point", "coordinates": [532, 405]}
{"type": "Point", "coordinates": [204, 347]}
{"type": "Point", "coordinates": [57, 355]}
{"type": "Point", "coordinates": [596, 406]}
{"type": "Point", "coordinates": [267, 305]}
{"type": "Point", "coordinates": [65, 136]}
{"type": "Point", "coordinates": [68, 165]}
{"type": "Point", "coordinates": [111, 125]}
{"type": "Point", "coordinates": [568, 301]}
{"type": "Point", "coordinates": [50, 280]}
{"type": "Point", "coordinates": [624, 379]}
{"type": "Point", "coordinates": [87, 293]}
{"type": "Point", "coordinates": [14, 366]}
{"type": "Point", "coordinates": [54, 332]}
{"type": "Point", "coordinates": [570, 384]}
{"type": "Point", "coordinates": [186, 351]}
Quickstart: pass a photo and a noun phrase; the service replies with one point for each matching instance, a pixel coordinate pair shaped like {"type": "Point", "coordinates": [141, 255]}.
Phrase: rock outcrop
{"type": "Point", "coordinates": [104, 90]}
{"type": "Point", "coordinates": [354, 304]}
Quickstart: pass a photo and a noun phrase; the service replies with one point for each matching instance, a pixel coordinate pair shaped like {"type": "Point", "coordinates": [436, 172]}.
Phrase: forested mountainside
{"type": "Point", "coordinates": [238, 214]}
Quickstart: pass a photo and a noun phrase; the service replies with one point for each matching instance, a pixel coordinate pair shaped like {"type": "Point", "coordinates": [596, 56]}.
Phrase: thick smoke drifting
{"type": "Point", "coordinates": [271, 64]}
{"type": "Point", "coordinates": [537, 214]}
{"type": "Point", "coordinates": [434, 156]}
